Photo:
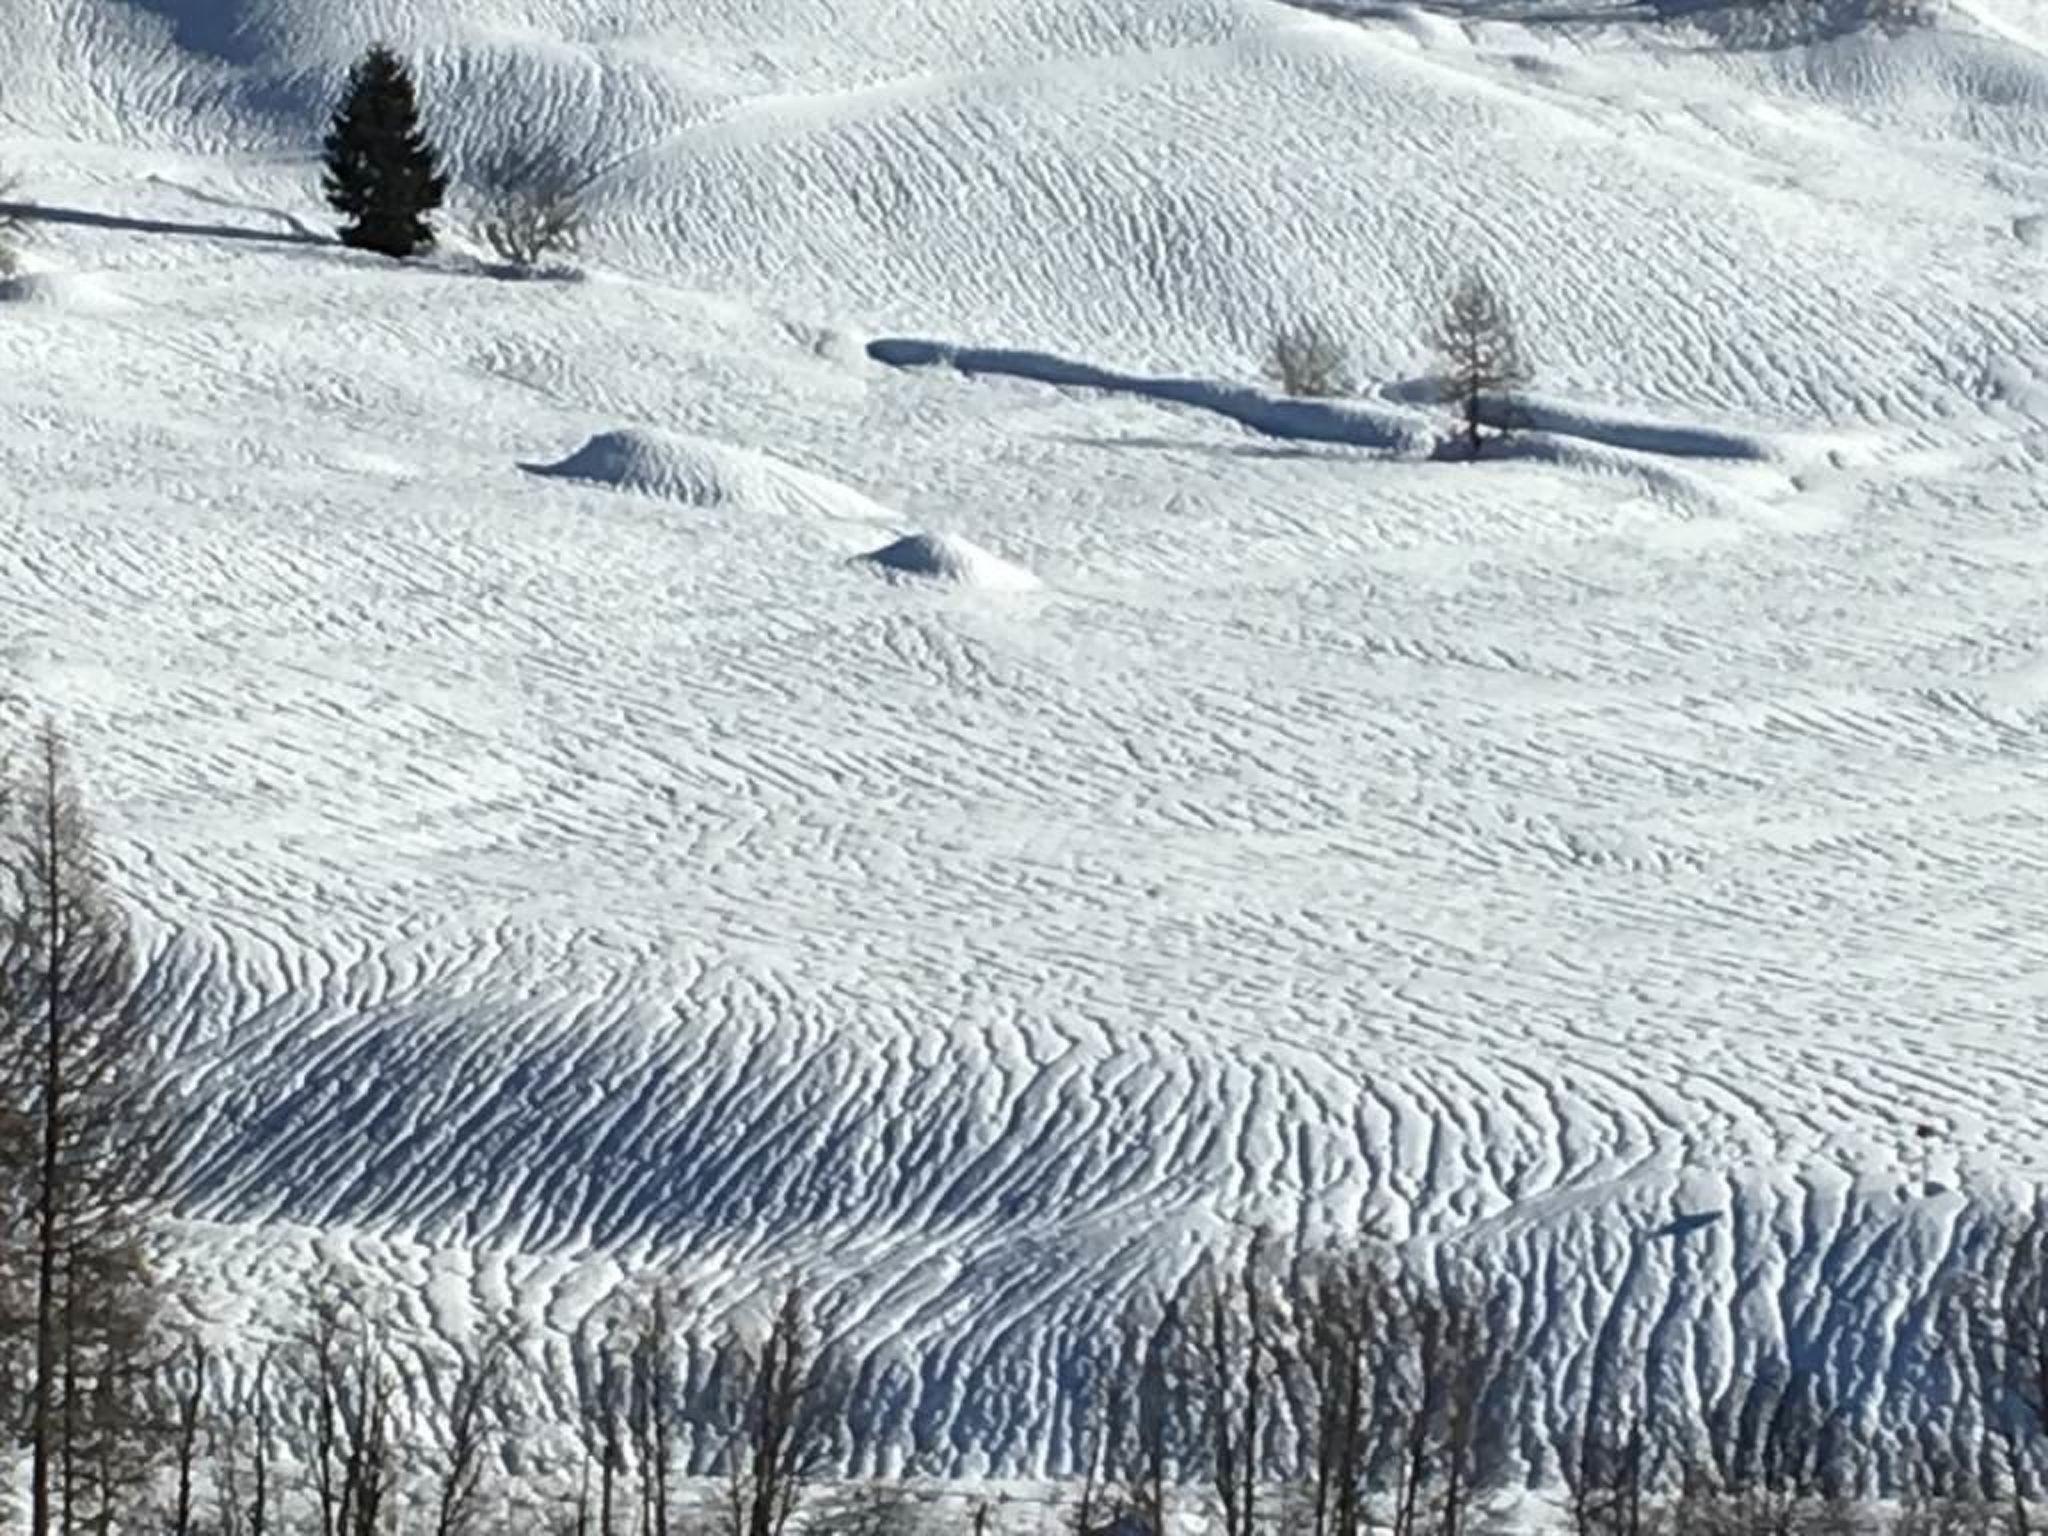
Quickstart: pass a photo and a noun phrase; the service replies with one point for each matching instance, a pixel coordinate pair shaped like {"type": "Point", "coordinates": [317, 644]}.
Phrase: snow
{"type": "Point", "coordinates": [949, 558]}
{"type": "Point", "coordinates": [78, 292]}
{"type": "Point", "coordinates": [559, 856]}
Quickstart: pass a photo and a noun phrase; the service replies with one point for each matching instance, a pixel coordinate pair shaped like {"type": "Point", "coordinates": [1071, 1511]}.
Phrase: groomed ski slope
{"type": "Point", "coordinates": [564, 848]}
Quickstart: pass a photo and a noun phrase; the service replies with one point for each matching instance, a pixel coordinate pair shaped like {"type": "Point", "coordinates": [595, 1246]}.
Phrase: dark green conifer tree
{"type": "Point", "coordinates": [382, 174]}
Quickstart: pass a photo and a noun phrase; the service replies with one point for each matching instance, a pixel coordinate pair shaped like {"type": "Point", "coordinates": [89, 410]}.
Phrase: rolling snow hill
{"type": "Point", "coordinates": [560, 853]}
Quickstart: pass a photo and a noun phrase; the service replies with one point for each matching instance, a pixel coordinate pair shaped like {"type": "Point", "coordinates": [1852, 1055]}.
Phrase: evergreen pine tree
{"type": "Point", "coordinates": [382, 174]}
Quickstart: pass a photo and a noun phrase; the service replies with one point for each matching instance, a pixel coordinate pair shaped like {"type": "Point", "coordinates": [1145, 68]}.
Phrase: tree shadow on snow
{"type": "Point", "coordinates": [1296, 451]}
{"type": "Point", "coordinates": [214, 27]}
{"type": "Point", "coordinates": [45, 213]}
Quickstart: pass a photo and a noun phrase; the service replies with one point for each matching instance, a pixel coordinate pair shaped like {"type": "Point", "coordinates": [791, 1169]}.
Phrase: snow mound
{"type": "Point", "coordinates": [945, 557]}
{"type": "Point", "coordinates": [688, 470]}
{"type": "Point", "coordinates": [78, 292]}
{"type": "Point", "coordinates": [703, 472]}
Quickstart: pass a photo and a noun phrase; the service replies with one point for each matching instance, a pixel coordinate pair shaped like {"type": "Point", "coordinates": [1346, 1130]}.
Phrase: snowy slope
{"type": "Point", "coordinates": [560, 852]}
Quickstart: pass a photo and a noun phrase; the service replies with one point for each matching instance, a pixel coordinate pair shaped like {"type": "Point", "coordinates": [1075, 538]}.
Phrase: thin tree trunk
{"type": "Point", "coordinates": [259, 1471]}
{"type": "Point", "coordinates": [48, 1315]}
{"type": "Point", "coordinates": [659, 1407]}
{"type": "Point", "coordinates": [68, 1402]}
{"type": "Point", "coordinates": [188, 1442]}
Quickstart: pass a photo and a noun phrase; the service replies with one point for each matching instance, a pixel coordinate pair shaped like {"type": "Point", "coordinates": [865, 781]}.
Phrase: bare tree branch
{"type": "Point", "coordinates": [530, 207]}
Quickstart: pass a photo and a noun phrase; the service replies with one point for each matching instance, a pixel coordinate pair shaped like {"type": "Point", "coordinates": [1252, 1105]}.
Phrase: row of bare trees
{"type": "Point", "coordinates": [1321, 1398]}
{"type": "Point", "coordinates": [1349, 1394]}
{"type": "Point", "coordinates": [1270, 1393]}
{"type": "Point", "coordinates": [1269, 1396]}
{"type": "Point", "coordinates": [337, 1431]}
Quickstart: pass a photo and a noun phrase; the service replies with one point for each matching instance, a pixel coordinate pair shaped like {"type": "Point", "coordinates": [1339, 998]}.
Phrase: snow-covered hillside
{"type": "Point", "coordinates": [856, 737]}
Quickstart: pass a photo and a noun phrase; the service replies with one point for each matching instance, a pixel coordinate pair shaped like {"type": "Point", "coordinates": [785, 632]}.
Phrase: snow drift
{"type": "Point", "coordinates": [949, 559]}
{"type": "Point", "coordinates": [697, 472]}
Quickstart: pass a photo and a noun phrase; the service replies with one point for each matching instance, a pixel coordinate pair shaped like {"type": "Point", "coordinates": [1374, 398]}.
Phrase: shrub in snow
{"type": "Point", "coordinates": [382, 174]}
{"type": "Point", "coordinates": [530, 207]}
{"type": "Point", "coordinates": [1308, 361]}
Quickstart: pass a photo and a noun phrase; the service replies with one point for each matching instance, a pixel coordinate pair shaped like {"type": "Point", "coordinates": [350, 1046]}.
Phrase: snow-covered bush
{"type": "Point", "coordinates": [530, 207]}
{"type": "Point", "coordinates": [1307, 360]}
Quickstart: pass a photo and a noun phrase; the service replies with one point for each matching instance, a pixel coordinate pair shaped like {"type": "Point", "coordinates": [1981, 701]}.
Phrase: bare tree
{"type": "Point", "coordinates": [603, 1410]}
{"type": "Point", "coordinates": [652, 1409]}
{"type": "Point", "coordinates": [781, 1391]}
{"type": "Point", "coordinates": [344, 1411]}
{"type": "Point", "coordinates": [1605, 1476]}
{"type": "Point", "coordinates": [261, 1454]}
{"type": "Point", "coordinates": [1156, 1430]}
{"type": "Point", "coordinates": [475, 1420]}
{"type": "Point", "coordinates": [1130, 1426]}
{"type": "Point", "coordinates": [1480, 362]}
{"type": "Point", "coordinates": [1347, 1302]}
{"type": "Point", "coordinates": [1101, 1415]}
{"type": "Point", "coordinates": [1440, 1360]}
{"type": "Point", "coordinates": [1996, 1317]}
{"type": "Point", "coordinates": [191, 1405]}
{"type": "Point", "coordinates": [1307, 360]}
{"type": "Point", "coordinates": [81, 1157]}
{"type": "Point", "coordinates": [1233, 1345]}
{"type": "Point", "coordinates": [579, 1525]}
{"type": "Point", "coordinates": [241, 1428]}
{"type": "Point", "coordinates": [530, 206]}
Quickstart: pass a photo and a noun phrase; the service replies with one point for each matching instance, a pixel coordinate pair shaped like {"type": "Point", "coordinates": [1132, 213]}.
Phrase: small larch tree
{"type": "Point", "coordinates": [1480, 362]}
{"type": "Point", "coordinates": [383, 176]}
{"type": "Point", "coordinates": [79, 1153]}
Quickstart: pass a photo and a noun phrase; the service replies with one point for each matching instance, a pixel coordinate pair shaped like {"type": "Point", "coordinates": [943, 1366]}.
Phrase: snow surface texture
{"type": "Point", "coordinates": [557, 860]}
